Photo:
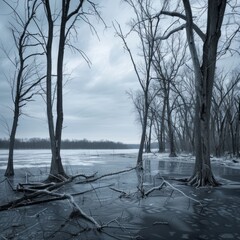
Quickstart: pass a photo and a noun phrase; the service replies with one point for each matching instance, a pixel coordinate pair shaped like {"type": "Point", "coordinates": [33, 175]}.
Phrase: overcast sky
{"type": "Point", "coordinates": [96, 106]}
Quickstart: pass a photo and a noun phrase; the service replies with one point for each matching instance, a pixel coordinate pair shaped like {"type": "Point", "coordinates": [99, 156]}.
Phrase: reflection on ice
{"type": "Point", "coordinates": [111, 160]}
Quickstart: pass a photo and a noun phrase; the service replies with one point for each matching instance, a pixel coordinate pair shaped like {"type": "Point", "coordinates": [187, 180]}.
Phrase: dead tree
{"type": "Point", "coordinates": [70, 14]}
{"type": "Point", "coordinates": [169, 57]}
{"type": "Point", "coordinates": [204, 71]}
{"type": "Point", "coordinates": [224, 112]}
{"type": "Point", "coordinates": [146, 29]}
{"type": "Point", "coordinates": [26, 77]}
{"type": "Point", "coordinates": [204, 79]}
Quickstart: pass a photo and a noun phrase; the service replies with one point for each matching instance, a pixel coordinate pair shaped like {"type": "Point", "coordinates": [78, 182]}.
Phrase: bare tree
{"type": "Point", "coordinates": [169, 57]}
{"type": "Point", "coordinates": [184, 113]}
{"type": "Point", "coordinates": [204, 79]}
{"type": "Point", "coordinates": [70, 14]}
{"type": "Point", "coordinates": [146, 29]}
{"type": "Point", "coordinates": [204, 71]}
{"type": "Point", "coordinates": [25, 80]}
{"type": "Point", "coordinates": [224, 112]}
{"type": "Point", "coordinates": [158, 108]}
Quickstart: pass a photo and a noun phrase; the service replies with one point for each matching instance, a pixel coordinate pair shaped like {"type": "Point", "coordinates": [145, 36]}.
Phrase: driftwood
{"type": "Point", "coordinates": [146, 193]}
{"type": "Point", "coordinates": [105, 175]}
{"type": "Point", "coordinates": [123, 193]}
{"type": "Point", "coordinates": [155, 188]}
{"type": "Point", "coordinates": [35, 190]}
{"type": "Point", "coordinates": [166, 183]}
{"type": "Point", "coordinates": [37, 193]}
{"type": "Point", "coordinates": [76, 209]}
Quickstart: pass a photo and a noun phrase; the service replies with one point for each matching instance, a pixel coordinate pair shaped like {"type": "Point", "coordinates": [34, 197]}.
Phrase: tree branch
{"type": "Point", "coordinates": [177, 14]}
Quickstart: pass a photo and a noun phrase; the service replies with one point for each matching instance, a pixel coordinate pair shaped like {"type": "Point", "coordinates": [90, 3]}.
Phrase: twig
{"type": "Point", "coordinates": [185, 195]}
{"type": "Point", "coordinates": [90, 190]}
{"type": "Point", "coordinates": [94, 189]}
{"type": "Point", "coordinates": [155, 188]}
{"type": "Point", "coordinates": [28, 228]}
{"type": "Point", "coordinates": [118, 190]}
{"type": "Point", "coordinates": [38, 213]}
{"type": "Point", "coordinates": [10, 184]}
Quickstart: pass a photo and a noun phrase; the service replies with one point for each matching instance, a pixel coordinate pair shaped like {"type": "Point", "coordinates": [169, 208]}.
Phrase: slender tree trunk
{"type": "Point", "coordinates": [170, 132]}
{"type": "Point", "coordinates": [238, 131]}
{"type": "Point", "coordinates": [149, 138]}
{"type": "Point", "coordinates": [56, 166]}
{"type": "Point", "coordinates": [23, 83]}
{"type": "Point", "coordinates": [144, 129]}
{"type": "Point", "coordinates": [162, 130]}
{"type": "Point", "coordinates": [166, 84]}
{"type": "Point", "coordinates": [10, 170]}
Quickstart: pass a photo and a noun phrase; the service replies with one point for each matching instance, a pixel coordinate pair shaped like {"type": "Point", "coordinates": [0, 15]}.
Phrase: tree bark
{"type": "Point", "coordinates": [144, 129]}
{"type": "Point", "coordinates": [162, 130]}
{"type": "Point", "coordinates": [170, 130]}
{"type": "Point", "coordinates": [10, 170]}
{"type": "Point", "coordinates": [204, 78]}
{"type": "Point", "coordinates": [56, 164]}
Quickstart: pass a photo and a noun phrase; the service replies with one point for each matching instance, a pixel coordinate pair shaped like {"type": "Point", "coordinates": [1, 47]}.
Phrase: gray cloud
{"type": "Point", "coordinates": [95, 102]}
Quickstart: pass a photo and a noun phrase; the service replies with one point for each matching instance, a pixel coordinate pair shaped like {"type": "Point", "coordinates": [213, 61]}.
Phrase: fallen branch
{"type": "Point", "coordinates": [106, 175]}
{"type": "Point", "coordinates": [26, 200]}
{"type": "Point", "coordinates": [164, 183]}
{"type": "Point", "coordinates": [77, 211]}
{"type": "Point", "coordinates": [31, 187]}
{"type": "Point", "coordinates": [185, 195]}
{"type": "Point", "coordinates": [155, 188]}
{"type": "Point", "coordinates": [123, 193]}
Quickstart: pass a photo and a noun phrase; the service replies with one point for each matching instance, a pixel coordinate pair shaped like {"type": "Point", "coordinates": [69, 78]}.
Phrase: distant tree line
{"type": "Point", "coordinates": [38, 143]}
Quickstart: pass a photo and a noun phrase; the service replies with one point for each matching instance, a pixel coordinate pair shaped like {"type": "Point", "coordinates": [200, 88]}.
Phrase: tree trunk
{"type": "Point", "coordinates": [162, 130]}
{"type": "Point", "coordinates": [204, 78]}
{"type": "Point", "coordinates": [10, 170]}
{"type": "Point", "coordinates": [149, 137]}
{"type": "Point", "coordinates": [56, 165]}
{"type": "Point", "coordinates": [144, 129]}
{"type": "Point", "coordinates": [238, 130]}
{"type": "Point", "coordinates": [170, 131]}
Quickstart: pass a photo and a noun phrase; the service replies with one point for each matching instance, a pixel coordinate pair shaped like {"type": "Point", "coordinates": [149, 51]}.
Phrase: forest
{"type": "Point", "coordinates": [37, 143]}
{"type": "Point", "coordinates": [185, 58]}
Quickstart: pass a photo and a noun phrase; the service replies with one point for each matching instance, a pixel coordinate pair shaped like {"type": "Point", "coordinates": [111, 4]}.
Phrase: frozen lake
{"type": "Point", "coordinates": [217, 218]}
{"type": "Point", "coordinates": [102, 161]}
{"type": "Point", "coordinates": [42, 158]}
